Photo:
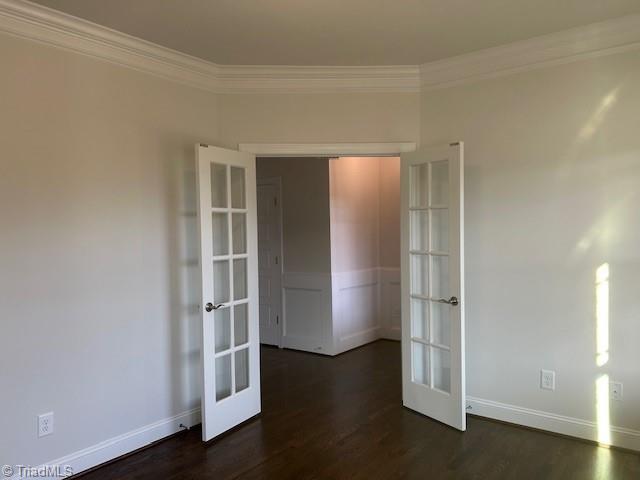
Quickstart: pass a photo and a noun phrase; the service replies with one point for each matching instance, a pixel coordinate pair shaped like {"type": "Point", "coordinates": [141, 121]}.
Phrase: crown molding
{"type": "Point", "coordinates": [290, 79]}
{"type": "Point", "coordinates": [38, 23]}
{"type": "Point", "coordinates": [35, 22]}
{"type": "Point", "coordinates": [590, 41]}
{"type": "Point", "coordinates": [48, 26]}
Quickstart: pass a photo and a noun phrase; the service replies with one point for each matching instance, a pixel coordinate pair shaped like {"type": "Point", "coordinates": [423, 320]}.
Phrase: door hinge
{"type": "Point", "coordinates": [277, 320]}
{"type": "Point", "coordinates": [275, 201]}
{"type": "Point", "coordinates": [204, 145]}
{"type": "Point", "coordinates": [276, 260]}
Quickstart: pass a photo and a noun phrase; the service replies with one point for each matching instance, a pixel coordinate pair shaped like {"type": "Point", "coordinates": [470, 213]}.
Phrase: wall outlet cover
{"type": "Point", "coordinates": [615, 390]}
{"type": "Point", "coordinates": [547, 379]}
{"type": "Point", "coordinates": [45, 424]}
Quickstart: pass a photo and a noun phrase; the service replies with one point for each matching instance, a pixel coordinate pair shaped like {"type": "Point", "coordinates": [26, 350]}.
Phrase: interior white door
{"type": "Point", "coordinates": [230, 349]}
{"type": "Point", "coordinates": [433, 376]}
{"type": "Point", "coordinates": [270, 260]}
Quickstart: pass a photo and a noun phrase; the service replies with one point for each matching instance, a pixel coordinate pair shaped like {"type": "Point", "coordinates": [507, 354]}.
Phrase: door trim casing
{"type": "Point", "coordinates": [277, 181]}
{"type": "Point", "coordinates": [327, 149]}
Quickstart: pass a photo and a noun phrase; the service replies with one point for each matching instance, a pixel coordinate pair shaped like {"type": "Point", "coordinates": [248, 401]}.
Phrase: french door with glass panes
{"type": "Point", "coordinates": [433, 381]}
{"type": "Point", "coordinates": [229, 262]}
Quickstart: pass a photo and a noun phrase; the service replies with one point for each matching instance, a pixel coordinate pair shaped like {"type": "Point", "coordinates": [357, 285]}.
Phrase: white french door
{"type": "Point", "coordinates": [433, 376]}
{"type": "Point", "coordinates": [230, 350]}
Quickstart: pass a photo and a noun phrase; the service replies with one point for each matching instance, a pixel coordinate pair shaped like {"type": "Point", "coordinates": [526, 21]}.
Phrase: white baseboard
{"type": "Point", "coordinates": [392, 333]}
{"type": "Point", "coordinates": [574, 427]}
{"type": "Point", "coordinates": [357, 339]}
{"type": "Point", "coordinates": [117, 446]}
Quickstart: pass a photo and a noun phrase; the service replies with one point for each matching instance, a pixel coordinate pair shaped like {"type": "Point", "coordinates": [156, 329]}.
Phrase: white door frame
{"type": "Point", "coordinates": [364, 149]}
{"type": "Point", "coordinates": [370, 149]}
{"type": "Point", "coordinates": [277, 182]}
{"type": "Point", "coordinates": [327, 149]}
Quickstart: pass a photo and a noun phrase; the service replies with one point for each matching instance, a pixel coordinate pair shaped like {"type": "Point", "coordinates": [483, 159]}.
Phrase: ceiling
{"type": "Point", "coordinates": [338, 32]}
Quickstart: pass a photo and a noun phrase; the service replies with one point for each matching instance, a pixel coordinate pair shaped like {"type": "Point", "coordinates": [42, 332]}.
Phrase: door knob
{"type": "Point", "coordinates": [452, 301]}
{"type": "Point", "coordinates": [210, 306]}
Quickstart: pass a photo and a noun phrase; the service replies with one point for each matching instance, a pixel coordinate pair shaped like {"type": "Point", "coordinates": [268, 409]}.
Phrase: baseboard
{"type": "Point", "coordinates": [117, 446]}
{"type": "Point", "coordinates": [307, 344]}
{"type": "Point", "coordinates": [357, 339]}
{"type": "Point", "coordinates": [573, 427]}
{"type": "Point", "coordinates": [391, 333]}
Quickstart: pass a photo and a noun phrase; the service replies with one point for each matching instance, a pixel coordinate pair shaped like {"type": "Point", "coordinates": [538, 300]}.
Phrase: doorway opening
{"type": "Point", "coordinates": [336, 307]}
{"type": "Point", "coordinates": [329, 251]}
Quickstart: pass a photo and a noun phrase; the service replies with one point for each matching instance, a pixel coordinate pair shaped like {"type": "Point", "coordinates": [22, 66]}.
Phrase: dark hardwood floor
{"type": "Point", "coordinates": [342, 417]}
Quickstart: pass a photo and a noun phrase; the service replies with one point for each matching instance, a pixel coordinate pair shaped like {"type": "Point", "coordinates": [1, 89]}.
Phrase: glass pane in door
{"type": "Point", "coordinates": [420, 319]}
{"type": "Point", "coordinates": [241, 325]}
{"type": "Point", "coordinates": [223, 377]}
{"type": "Point", "coordinates": [440, 326]}
{"type": "Point", "coordinates": [238, 188]}
{"type": "Point", "coordinates": [419, 177]}
{"type": "Point", "coordinates": [239, 225]}
{"type": "Point", "coordinates": [242, 369]}
{"type": "Point", "coordinates": [222, 329]}
{"type": "Point", "coordinates": [218, 185]}
{"type": "Point", "coordinates": [419, 230]}
{"type": "Point", "coordinates": [441, 369]}
{"type": "Point", "coordinates": [439, 276]}
{"type": "Point", "coordinates": [419, 275]}
{"type": "Point", "coordinates": [221, 281]}
{"type": "Point", "coordinates": [440, 230]}
{"type": "Point", "coordinates": [240, 279]}
{"type": "Point", "coordinates": [220, 233]}
{"type": "Point", "coordinates": [420, 363]}
{"type": "Point", "coordinates": [439, 183]}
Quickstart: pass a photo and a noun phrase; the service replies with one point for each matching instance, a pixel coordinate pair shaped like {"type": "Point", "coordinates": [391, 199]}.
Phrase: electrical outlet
{"type": "Point", "coordinates": [615, 390]}
{"type": "Point", "coordinates": [547, 379]}
{"type": "Point", "coordinates": [45, 424]}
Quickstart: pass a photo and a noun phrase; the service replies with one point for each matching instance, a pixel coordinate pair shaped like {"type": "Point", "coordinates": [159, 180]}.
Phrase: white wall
{"type": "Point", "coordinates": [365, 296]}
{"type": "Point", "coordinates": [97, 254]}
{"type": "Point", "coordinates": [389, 255]}
{"type": "Point", "coordinates": [552, 174]}
{"type": "Point", "coordinates": [305, 211]}
{"type": "Point", "coordinates": [306, 118]}
{"type": "Point", "coordinates": [98, 282]}
{"type": "Point", "coordinates": [355, 213]}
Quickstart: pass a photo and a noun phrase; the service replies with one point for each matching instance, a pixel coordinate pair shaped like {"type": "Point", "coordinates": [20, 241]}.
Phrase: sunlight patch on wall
{"type": "Point", "coordinates": [602, 353]}
{"type": "Point", "coordinates": [597, 118]}
{"type": "Point", "coordinates": [602, 315]}
{"type": "Point", "coordinates": [602, 410]}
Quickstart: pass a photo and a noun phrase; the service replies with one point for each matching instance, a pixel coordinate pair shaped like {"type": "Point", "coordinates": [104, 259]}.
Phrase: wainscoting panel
{"type": "Point", "coordinates": [356, 308]}
{"type": "Point", "coordinates": [306, 312]}
{"type": "Point", "coordinates": [390, 303]}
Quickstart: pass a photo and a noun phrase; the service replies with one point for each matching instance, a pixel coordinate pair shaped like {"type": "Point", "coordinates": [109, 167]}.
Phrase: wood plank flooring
{"type": "Point", "coordinates": [342, 417]}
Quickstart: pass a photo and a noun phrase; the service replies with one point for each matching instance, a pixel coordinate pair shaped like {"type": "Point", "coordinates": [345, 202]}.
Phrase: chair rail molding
{"type": "Point", "coordinates": [42, 24]}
